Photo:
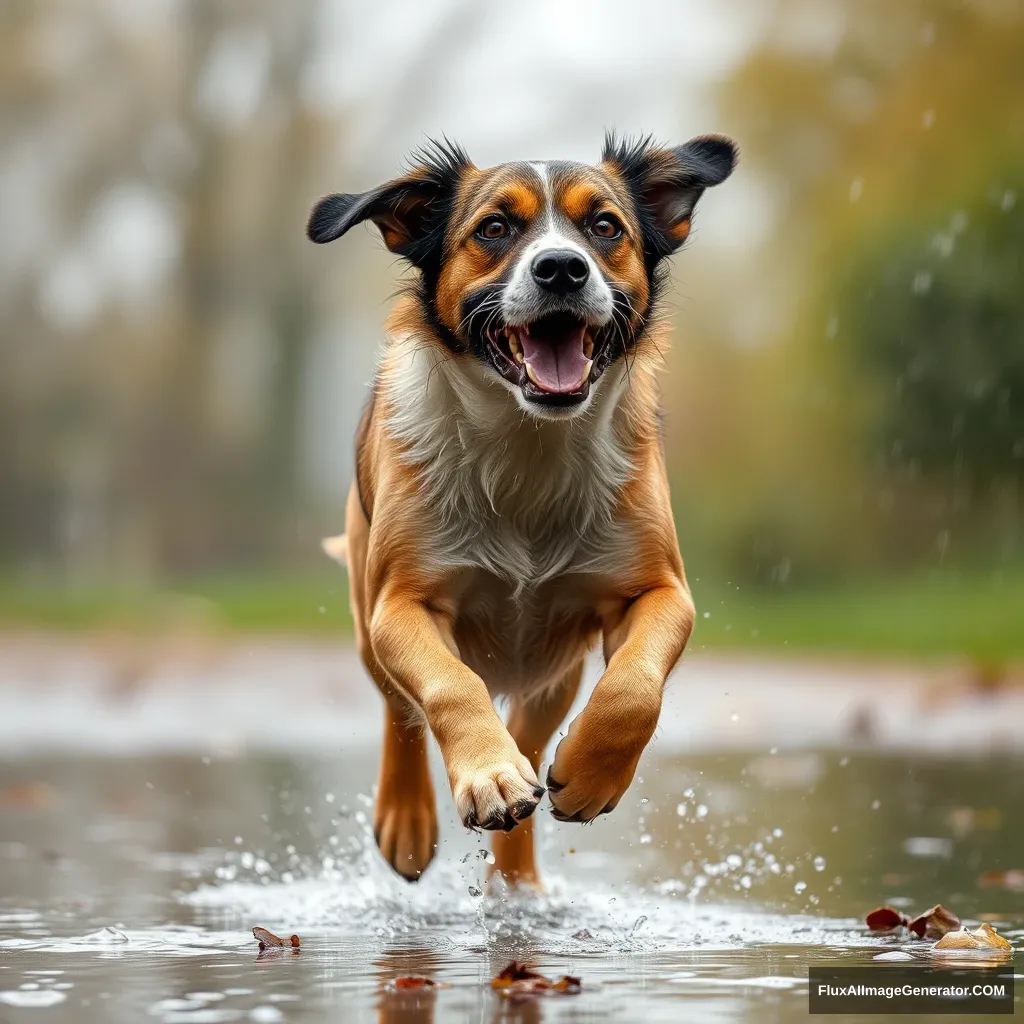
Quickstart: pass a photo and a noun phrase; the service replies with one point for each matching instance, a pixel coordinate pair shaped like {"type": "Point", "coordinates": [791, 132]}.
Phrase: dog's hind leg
{"type": "Point", "coordinates": [532, 724]}
{"type": "Point", "coordinates": [405, 814]}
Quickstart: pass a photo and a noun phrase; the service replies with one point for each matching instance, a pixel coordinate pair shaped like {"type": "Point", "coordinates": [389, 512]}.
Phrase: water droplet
{"type": "Point", "coordinates": [777, 832]}
{"type": "Point", "coordinates": [474, 891]}
{"type": "Point", "coordinates": [875, 804]}
{"type": "Point", "coordinates": [645, 839]}
{"type": "Point", "coordinates": [734, 717]}
{"type": "Point", "coordinates": [707, 615]}
{"type": "Point", "coordinates": [644, 800]}
{"type": "Point", "coordinates": [819, 863]}
{"type": "Point", "coordinates": [1009, 200]}
{"type": "Point", "coordinates": [856, 189]}
{"type": "Point", "coordinates": [922, 283]}
{"type": "Point", "coordinates": [843, 762]}
{"type": "Point", "coordinates": [329, 798]}
{"type": "Point", "coordinates": [928, 119]}
{"type": "Point", "coordinates": [681, 810]}
{"type": "Point", "coordinates": [702, 810]}
{"type": "Point", "coordinates": [799, 887]}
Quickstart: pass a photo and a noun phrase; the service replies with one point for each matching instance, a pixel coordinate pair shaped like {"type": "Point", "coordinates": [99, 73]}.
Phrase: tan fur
{"type": "Point", "coordinates": [439, 663]}
{"type": "Point", "coordinates": [494, 534]}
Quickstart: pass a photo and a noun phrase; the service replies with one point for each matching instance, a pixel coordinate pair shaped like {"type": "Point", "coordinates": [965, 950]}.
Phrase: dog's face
{"type": "Point", "coordinates": [544, 272]}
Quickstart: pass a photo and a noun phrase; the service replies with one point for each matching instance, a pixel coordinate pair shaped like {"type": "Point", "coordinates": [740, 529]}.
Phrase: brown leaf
{"type": "Point", "coordinates": [268, 940]}
{"type": "Point", "coordinates": [1012, 879]}
{"type": "Point", "coordinates": [985, 937]}
{"type": "Point", "coordinates": [413, 981]}
{"type": "Point", "coordinates": [28, 796]}
{"type": "Point", "coordinates": [885, 919]}
{"type": "Point", "coordinates": [934, 923]}
{"type": "Point", "coordinates": [568, 984]}
{"type": "Point", "coordinates": [517, 980]}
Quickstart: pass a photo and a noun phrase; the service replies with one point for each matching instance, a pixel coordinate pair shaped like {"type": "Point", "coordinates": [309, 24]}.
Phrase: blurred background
{"type": "Point", "coordinates": [182, 371]}
{"type": "Point", "coordinates": [188, 744]}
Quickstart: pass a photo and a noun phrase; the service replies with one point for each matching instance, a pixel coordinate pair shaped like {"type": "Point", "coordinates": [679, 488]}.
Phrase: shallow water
{"type": "Point", "coordinates": [129, 885]}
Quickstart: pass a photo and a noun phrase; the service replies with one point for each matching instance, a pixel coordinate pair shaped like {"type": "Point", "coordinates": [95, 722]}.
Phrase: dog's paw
{"type": "Point", "coordinates": [405, 828]}
{"type": "Point", "coordinates": [496, 794]}
{"type": "Point", "coordinates": [591, 770]}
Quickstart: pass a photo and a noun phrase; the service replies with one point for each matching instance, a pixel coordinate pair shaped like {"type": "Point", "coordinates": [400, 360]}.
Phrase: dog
{"type": "Point", "coordinates": [510, 505]}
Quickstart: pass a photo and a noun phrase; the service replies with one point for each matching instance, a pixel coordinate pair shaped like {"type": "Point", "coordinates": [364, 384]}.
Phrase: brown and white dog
{"type": "Point", "coordinates": [510, 504]}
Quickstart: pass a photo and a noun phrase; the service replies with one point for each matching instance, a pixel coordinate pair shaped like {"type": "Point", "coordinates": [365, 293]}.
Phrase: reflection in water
{"type": "Point", "coordinates": [717, 882]}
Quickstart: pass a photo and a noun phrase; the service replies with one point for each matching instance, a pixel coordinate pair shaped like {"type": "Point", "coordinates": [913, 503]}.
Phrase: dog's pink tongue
{"type": "Point", "coordinates": [557, 363]}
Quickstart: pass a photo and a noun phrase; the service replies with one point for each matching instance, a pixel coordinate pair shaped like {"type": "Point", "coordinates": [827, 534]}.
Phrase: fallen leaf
{"type": "Point", "coordinates": [885, 919]}
{"type": "Point", "coordinates": [268, 940]}
{"type": "Point", "coordinates": [33, 796]}
{"type": "Point", "coordinates": [1012, 879]}
{"type": "Point", "coordinates": [934, 923]}
{"type": "Point", "coordinates": [413, 981]}
{"type": "Point", "coordinates": [518, 980]}
{"type": "Point", "coordinates": [985, 937]}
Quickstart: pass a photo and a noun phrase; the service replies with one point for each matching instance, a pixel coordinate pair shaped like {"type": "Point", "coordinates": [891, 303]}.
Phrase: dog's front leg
{"type": "Point", "coordinates": [493, 784]}
{"type": "Point", "coordinates": [595, 762]}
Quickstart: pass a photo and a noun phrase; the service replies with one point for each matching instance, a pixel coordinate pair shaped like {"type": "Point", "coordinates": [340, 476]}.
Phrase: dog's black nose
{"type": "Point", "coordinates": [560, 271]}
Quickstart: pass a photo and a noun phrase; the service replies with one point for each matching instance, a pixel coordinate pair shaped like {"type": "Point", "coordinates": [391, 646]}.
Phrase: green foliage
{"type": "Point", "coordinates": [935, 315]}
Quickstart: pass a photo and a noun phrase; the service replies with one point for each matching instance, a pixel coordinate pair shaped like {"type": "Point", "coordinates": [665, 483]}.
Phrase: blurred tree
{"type": "Point", "coordinates": [937, 315]}
{"type": "Point", "coordinates": [892, 136]}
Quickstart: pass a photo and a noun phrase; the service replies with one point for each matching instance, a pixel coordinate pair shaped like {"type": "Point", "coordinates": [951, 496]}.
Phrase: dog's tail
{"type": "Point", "coordinates": [337, 548]}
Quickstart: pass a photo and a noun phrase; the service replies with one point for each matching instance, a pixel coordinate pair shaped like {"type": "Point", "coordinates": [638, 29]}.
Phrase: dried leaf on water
{"type": "Point", "coordinates": [28, 796]}
{"type": "Point", "coordinates": [1012, 879]}
{"type": "Point", "coordinates": [519, 980]}
{"type": "Point", "coordinates": [885, 919]}
{"type": "Point", "coordinates": [934, 923]}
{"type": "Point", "coordinates": [268, 940]}
{"type": "Point", "coordinates": [413, 982]}
{"type": "Point", "coordinates": [985, 937]}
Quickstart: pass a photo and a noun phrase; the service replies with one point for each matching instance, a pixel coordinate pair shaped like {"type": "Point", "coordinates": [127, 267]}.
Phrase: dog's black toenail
{"type": "Point", "coordinates": [553, 786]}
{"type": "Point", "coordinates": [523, 809]}
{"type": "Point", "coordinates": [471, 823]}
{"type": "Point", "coordinates": [509, 823]}
{"type": "Point", "coordinates": [539, 792]}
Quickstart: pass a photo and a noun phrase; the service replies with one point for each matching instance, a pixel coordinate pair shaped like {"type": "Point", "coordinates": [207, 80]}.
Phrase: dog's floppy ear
{"type": "Point", "coordinates": [666, 183]}
{"type": "Point", "coordinates": [410, 212]}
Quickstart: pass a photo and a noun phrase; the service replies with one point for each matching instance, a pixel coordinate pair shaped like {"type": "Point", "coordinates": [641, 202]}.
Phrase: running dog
{"type": "Point", "coordinates": [510, 505]}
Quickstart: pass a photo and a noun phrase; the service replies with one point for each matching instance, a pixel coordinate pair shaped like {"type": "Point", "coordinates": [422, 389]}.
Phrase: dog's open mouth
{"type": "Point", "coordinates": [551, 359]}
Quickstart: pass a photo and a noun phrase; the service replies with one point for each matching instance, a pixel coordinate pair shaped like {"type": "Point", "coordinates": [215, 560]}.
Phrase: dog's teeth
{"type": "Point", "coordinates": [588, 346]}
{"type": "Point", "coordinates": [532, 375]}
{"type": "Point", "coordinates": [515, 348]}
{"type": "Point", "coordinates": [586, 372]}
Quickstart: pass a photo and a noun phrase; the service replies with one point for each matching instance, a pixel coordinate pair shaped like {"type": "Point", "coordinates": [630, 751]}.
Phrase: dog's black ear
{"type": "Point", "coordinates": [666, 183]}
{"type": "Point", "coordinates": [410, 212]}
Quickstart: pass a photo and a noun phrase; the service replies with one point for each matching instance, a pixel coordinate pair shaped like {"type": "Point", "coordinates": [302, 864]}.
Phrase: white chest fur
{"type": "Point", "coordinates": [519, 497]}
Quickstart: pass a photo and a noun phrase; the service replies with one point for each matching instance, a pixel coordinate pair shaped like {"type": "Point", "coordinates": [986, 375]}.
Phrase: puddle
{"type": "Point", "coordinates": [129, 891]}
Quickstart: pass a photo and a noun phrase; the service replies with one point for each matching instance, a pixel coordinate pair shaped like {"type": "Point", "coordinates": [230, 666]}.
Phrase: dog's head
{"type": "Point", "coordinates": [545, 272]}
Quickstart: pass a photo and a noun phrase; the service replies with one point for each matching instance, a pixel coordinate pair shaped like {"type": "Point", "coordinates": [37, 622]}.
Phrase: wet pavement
{"type": "Point", "coordinates": [130, 880]}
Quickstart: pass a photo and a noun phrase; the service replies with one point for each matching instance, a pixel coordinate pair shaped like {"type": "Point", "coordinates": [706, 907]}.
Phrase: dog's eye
{"type": "Point", "coordinates": [493, 227]}
{"type": "Point", "coordinates": [606, 226]}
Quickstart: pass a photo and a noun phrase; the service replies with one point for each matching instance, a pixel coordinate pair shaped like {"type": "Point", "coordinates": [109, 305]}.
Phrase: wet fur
{"type": "Point", "coordinates": [491, 548]}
